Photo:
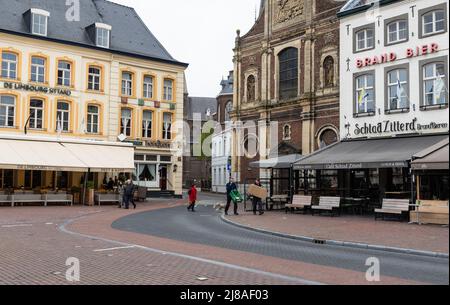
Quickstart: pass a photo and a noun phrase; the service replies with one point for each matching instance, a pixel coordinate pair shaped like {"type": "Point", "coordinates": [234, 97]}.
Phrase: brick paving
{"type": "Point", "coordinates": [351, 229]}
{"type": "Point", "coordinates": [35, 253]}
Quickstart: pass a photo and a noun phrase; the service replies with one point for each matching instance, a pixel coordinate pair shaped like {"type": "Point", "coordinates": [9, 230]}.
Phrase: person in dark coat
{"type": "Point", "coordinates": [192, 198]}
{"type": "Point", "coordinates": [257, 202]}
{"type": "Point", "coordinates": [231, 186]}
{"type": "Point", "coordinates": [129, 194]}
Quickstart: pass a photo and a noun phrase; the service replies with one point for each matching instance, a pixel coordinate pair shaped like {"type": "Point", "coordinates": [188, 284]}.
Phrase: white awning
{"type": "Point", "coordinates": [71, 156]}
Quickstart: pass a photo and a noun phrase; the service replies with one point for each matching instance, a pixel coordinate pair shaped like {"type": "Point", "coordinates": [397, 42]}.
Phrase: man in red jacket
{"type": "Point", "coordinates": [192, 198]}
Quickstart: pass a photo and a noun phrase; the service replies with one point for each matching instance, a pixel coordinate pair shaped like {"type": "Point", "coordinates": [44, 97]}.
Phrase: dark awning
{"type": "Point", "coordinates": [281, 162]}
{"type": "Point", "coordinates": [433, 158]}
{"type": "Point", "coordinates": [369, 153]}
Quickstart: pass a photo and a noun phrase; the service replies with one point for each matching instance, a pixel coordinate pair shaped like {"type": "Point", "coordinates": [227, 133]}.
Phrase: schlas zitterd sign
{"type": "Point", "coordinates": [391, 56]}
{"type": "Point", "coordinates": [38, 89]}
{"type": "Point", "coordinates": [389, 127]}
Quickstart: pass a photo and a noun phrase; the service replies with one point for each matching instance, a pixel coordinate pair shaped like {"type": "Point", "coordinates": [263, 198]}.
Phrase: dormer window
{"type": "Point", "coordinates": [39, 22]}
{"type": "Point", "coordinates": [102, 35]}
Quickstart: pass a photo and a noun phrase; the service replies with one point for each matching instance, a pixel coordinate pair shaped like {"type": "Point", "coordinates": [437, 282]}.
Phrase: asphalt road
{"type": "Point", "coordinates": [205, 227]}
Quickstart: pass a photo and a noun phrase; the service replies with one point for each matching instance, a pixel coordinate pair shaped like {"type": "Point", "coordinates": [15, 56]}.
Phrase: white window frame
{"type": "Point", "coordinates": [42, 28]}
{"type": "Point", "coordinates": [35, 67]}
{"type": "Point", "coordinates": [9, 110]}
{"type": "Point", "coordinates": [64, 114]}
{"type": "Point", "coordinates": [168, 89]}
{"type": "Point", "coordinates": [365, 39]}
{"type": "Point", "coordinates": [147, 125]}
{"type": "Point", "coordinates": [148, 87]}
{"type": "Point", "coordinates": [358, 91]}
{"type": "Point", "coordinates": [167, 126]}
{"type": "Point", "coordinates": [126, 129]}
{"type": "Point", "coordinates": [9, 64]}
{"type": "Point", "coordinates": [91, 125]}
{"type": "Point", "coordinates": [127, 84]}
{"type": "Point", "coordinates": [433, 22]}
{"type": "Point", "coordinates": [66, 76]}
{"type": "Point", "coordinates": [94, 79]}
{"type": "Point", "coordinates": [37, 115]}
{"type": "Point", "coordinates": [432, 78]}
{"type": "Point", "coordinates": [397, 31]}
{"type": "Point", "coordinates": [404, 85]}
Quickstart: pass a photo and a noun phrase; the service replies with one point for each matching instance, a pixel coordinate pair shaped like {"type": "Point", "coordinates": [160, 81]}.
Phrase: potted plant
{"type": "Point", "coordinates": [76, 193]}
{"type": "Point", "coordinates": [90, 193]}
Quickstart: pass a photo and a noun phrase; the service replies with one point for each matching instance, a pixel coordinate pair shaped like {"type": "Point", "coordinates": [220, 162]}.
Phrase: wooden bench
{"type": "Point", "coordinates": [299, 203]}
{"type": "Point", "coordinates": [277, 200]}
{"type": "Point", "coordinates": [396, 207]}
{"type": "Point", "coordinates": [6, 199]}
{"type": "Point", "coordinates": [28, 198]}
{"type": "Point", "coordinates": [108, 198]}
{"type": "Point", "coordinates": [328, 204]}
{"type": "Point", "coordinates": [59, 198]}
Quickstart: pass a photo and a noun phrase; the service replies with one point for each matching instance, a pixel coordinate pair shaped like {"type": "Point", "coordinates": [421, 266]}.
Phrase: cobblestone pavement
{"type": "Point", "coordinates": [356, 229]}
{"type": "Point", "coordinates": [36, 241]}
{"type": "Point", "coordinates": [34, 249]}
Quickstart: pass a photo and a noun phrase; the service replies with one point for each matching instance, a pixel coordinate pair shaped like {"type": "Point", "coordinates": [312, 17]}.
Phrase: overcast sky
{"type": "Point", "coordinates": [199, 32]}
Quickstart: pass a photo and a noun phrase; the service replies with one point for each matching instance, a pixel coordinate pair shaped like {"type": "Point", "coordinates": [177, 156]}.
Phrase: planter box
{"type": "Point", "coordinates": [431, 212]}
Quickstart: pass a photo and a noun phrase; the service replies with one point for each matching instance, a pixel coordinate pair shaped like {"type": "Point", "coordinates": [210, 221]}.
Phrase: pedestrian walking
{"type": "Point", "coordinates": [192, 198]}
{"type": "Point", "coordinates": [121, 191]}
{"type": "Point", "coordinates": [257, 202]}
{"type": "Point", "coordinates": [230, 187]}
{"type": "Point", "coordinates": [128, 194]}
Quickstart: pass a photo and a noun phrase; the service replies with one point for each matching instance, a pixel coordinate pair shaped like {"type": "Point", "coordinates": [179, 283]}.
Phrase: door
{"type": "Point", "coordinates": [163, 177]}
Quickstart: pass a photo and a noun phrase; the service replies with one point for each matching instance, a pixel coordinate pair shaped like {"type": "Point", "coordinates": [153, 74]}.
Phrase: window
{"type": "Point", "coordinates": [94, 78]}
{"type": "Point", "coordinates": [36, 114]}
{"type": "Point", "coordinates": [148, 87]}
{"type": "Point", "coordinates": [167, 126]}
{"type": "Point", "coordinates": [433, 22]}
{"type": "Point", "coordinates": [93, 119]}
{"type": "Point", "coordinates": [365, 94]}
{"type": "Point", "coordinates": [397, 88]}
{"type": "Point", "coordinates": [7, 110]}
{"type": "Point", "coordinates": [146, 172]}
{"type": "Point", "coordinates": [168, 90]}
{"type": "Point", "coordinates": [102, 37]}
{"type": "Point", "coordinates": [251, 88]}
{"type": "Point", "coordinates": [147, 120]}
{"type": "Point", "coordinates": [434, 84]}
{"type": "Point", "coordinates": [38, 69]}
{"type": "Point", "coordinates": [9, 65]}
{"type": "Point", "coordinates": [327, 137]}
{"type": "Point", "coordinates": [286, 132]}
{"type": "Point", "coordinates": [328, 71]}
{"type": "Point", "coordinates": [365, 39]}
{"type": "Point", "coordinates": [64, 73]}
{"type": "Point", "coordinates": [127, 84]}
{"type": "Point", "coordinates": [288, 73]}
{"type": "Point", "coordinates": [39, 24]}
{"type": "Point", "coordinates": [397, 31]}
{"type": "Point", "coordinates": [228, 109]}
{"type": "Point", "coordinates": [63, 116]}
{"type": "Point", "coordinates": [125, 122]}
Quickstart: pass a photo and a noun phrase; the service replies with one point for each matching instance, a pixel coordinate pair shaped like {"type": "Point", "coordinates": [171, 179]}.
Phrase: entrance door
{"type": "Point", "coordinates": [163, 177]}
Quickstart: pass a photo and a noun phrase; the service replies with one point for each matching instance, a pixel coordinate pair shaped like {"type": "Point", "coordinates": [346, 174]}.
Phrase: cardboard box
{"type": "Point", "coordinates": [257, 191]}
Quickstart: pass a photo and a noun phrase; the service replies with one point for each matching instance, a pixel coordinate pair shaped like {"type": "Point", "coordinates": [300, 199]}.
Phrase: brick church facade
{"type": "Point", "coordinates": [286, 70]}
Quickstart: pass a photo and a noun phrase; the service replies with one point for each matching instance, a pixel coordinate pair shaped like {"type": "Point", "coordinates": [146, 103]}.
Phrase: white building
{"type": "Point", "coordinates": [221, 142]}
{"type": "Point", "coordinates": [399, 48]}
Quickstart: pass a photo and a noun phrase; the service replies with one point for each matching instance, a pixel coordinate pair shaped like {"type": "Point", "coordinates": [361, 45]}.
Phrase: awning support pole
{"type": "Point", "coordinates": [86, 177]}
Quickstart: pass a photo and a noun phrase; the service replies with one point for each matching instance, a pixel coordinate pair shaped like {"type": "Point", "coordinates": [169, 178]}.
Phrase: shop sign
{"type": "Point", "coordinates": [38, 89]}
{"type": "Point", "coordinates": [391, 56]}
{"type": "Point", "coordinates": [396, 127]}
{"type": "Point", "coordinates": [158, 144]}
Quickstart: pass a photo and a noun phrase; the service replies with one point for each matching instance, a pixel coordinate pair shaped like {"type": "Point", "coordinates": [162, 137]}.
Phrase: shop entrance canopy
{"type": "Point", "coordinates": [369, 153]}
{"type": "Point", "coordinates": [281, 162]}
{"type": "Point", "coordinates": [433, 158]}
{"type": "Point", "coordinates": [72, 156]}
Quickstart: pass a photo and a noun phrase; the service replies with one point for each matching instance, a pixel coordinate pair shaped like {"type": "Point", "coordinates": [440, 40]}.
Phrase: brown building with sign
{"type": "Point", "coordinates": [286, 69]}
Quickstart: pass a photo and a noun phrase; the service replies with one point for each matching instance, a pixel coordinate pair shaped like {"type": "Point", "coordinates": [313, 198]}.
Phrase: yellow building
{"type": "Point", "coordinates": [102, 81]}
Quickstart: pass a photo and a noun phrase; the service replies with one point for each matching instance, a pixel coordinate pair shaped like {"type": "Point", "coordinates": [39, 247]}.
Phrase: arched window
{"type": "Point", "coordinates": [251, 88]}
{"type": "Point", "coordinates": [286, 132]}
{"type": "Point", "coordinates": [63, 116]}
{"type": "Point", "coordinates": [288, 73]}
{"type": "Point", "coordinates": [327, 137]}
{"type": "Point", "coordinates": [228, 109]}
{"type": "Point", "coordinates": [328, 71]}
{"type": "Point", "coordinates": [93, 119]}
{"type": "Point", "coordinates": [7, 110]}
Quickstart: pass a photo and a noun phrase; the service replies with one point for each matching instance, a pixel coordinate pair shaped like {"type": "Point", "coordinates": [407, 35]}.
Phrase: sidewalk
{"type": "Point", "coordinates": [354, 229]}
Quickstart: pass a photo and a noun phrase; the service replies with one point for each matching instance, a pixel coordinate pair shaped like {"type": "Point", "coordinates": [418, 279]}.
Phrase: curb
{"type": "Point", "coordinates": [340, 243]}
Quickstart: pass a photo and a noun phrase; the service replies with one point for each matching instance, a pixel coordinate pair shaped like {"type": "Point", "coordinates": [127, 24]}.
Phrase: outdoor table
{"type": "Point", "coordinates": [356, 203]}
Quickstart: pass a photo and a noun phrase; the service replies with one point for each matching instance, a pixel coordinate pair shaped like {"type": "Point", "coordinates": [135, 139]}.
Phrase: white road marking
{"type": "Point", "coordinates": [17, 226]}
{"type": "Point", "coordinates": [112, 249]}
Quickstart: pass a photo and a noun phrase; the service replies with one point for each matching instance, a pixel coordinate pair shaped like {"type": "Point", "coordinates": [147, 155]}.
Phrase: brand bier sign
{"type": "Point", "coordinates": [390, 57]}
{"type": "Point", "coordinates": [396, 127]}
